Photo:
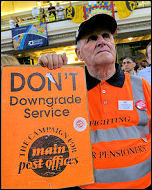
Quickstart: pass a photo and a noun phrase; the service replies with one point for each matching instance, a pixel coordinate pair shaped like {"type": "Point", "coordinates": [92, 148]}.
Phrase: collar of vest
{"type": "Point", "coordinates": [116, 80]}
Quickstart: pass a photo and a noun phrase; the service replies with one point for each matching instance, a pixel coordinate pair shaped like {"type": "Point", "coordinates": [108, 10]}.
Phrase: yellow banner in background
{"type": "Point", "coordinates": [125, 8]}
{"type": "Point", "coordinates": [79, 15]}
{"type": "Point", "coordinates": [69, 12]}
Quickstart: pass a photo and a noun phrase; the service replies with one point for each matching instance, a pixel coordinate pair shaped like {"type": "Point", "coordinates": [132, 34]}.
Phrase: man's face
{"type": "Point", "coordinates": [128, 65]}
{"type": "Point", "coordinates": [149, 55]}
{"type": "Point", "coordinates": [97, 48]}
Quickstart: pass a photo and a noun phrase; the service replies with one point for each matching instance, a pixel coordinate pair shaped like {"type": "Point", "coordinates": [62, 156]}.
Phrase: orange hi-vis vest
{"type": "Point", "coordinates": [120, 120]}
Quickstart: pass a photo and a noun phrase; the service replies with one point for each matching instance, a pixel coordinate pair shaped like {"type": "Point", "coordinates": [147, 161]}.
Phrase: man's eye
{"type": "Point", "coordinates": [105, 35]}
{"type": "Point", "coordinates": [93, 37]}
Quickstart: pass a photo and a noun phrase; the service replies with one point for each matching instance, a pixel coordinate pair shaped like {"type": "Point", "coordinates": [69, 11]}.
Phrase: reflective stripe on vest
{"type": "Point", "coordinates": [120, 133]}
{"type": "Point", "coordinates": [123, 174]}
{"type": "Point", "coordinates": [134, 172]}
{"type": "Point", "coordinates": [138, 94]}
{"type": "Point", "coordinates": [132, 132]}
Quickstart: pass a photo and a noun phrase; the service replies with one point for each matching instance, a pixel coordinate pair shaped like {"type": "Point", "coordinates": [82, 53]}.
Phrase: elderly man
{"type": "Point", "coordinates": [146, 72]}
{"type": "Point", "coordinates": [129, 64]}
{"type": "Point", "coordinates": [119, 109]}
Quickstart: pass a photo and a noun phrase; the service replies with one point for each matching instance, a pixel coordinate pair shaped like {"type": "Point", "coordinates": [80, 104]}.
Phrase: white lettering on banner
{"type": "Point", "coordinates": [35, 42]}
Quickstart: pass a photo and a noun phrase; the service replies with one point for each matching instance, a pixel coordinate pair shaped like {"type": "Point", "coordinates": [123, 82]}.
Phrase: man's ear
{"type": "Point", "coordinates": [134, 64]}
{"type": "Point", "coordinates": [77, 51]}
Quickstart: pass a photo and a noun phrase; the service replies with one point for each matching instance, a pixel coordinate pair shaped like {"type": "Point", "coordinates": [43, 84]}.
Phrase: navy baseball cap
{"type": "Point", "coordinates": [103, 21]}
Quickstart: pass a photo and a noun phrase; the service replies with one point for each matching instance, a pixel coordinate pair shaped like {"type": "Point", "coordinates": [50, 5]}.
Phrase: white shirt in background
{"type": "Point", "coordinates": [60, 12]}
{"type": "Point", "coordinates": [146, 74]}
{"type": "Point", "coordinates": [12, 23]}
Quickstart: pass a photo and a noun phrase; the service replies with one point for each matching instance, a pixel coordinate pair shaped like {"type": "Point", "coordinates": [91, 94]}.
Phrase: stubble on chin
{"type": "Point", "coordinates": [101, 69]}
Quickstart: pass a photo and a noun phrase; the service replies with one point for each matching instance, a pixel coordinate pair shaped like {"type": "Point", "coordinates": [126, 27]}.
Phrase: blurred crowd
{"type": "Point", "coordinates": [53, 13]}
{"type": "Point", "coordinates": [141, 67]}
{"type": "Point", "coordinates": [50, 14]}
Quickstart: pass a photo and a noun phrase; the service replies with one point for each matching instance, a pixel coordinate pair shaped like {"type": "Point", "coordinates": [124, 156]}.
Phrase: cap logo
{"type": "Point", "coordinates": [141, 105]}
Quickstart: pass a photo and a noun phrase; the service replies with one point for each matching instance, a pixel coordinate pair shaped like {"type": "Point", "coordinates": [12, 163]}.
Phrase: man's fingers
{"type": "Point", "coordinates": [53, 60]}
{"type": "Point", "coordinates": [65, 59]}
{"type": "Point", "coordinates": [50, 60]}
{"type": "Point", "coordinates": [43, 61]}
{"type": "Point", "coordinates": [60, 61]}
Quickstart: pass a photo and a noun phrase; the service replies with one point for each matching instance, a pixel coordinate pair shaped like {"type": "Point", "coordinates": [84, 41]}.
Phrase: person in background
{"type": "Point", "coordinates": [139, 66]}
{"type": "Point", "coordinates": [52, 12]}
{"type": "Point", "coordinates": [35, 12]}
{"type": "Point", "coordinates": [60, 11]}
{"type": "Point", "coordinates": [42, 15]}
{"type": "Point", "coordinates": [12, 22]}
{"type": "Point", "coordinates": [129, 64]}
{"type": "Point", "coordinates": [146, 72]}
{"type": "Point", "coordinates": [145, 63]}
{"type": "Point", "coordinates": [8, 60]}
{"type": "Point", "coordinates": [119, 108]}
{"type": "Point", "coordinates": [17, 20]}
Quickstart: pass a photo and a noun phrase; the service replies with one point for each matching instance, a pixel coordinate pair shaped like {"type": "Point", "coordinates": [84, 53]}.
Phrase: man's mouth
{"type": "Point", "coordinates": [102, 51]}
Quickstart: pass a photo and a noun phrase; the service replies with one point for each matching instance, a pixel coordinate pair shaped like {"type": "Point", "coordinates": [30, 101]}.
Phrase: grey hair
{"type": "Point", "coordinates": [8, 60]}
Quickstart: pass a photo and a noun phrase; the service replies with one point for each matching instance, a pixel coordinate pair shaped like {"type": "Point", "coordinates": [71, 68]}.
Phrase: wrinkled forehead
{"type": "Point", "coordinates": [95, 32]}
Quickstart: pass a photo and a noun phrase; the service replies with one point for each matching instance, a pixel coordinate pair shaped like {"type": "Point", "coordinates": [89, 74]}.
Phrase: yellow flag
{"type": "Point", "coordinates": [69, 12]}
{"type": "Point", "coordinates": [124, 8]}
{"type": "Point", "coordinates": [78, 14]}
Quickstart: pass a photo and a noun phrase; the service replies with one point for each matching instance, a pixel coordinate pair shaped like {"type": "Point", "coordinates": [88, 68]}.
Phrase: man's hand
{"type": "Point", "coordinates": [53, 60]}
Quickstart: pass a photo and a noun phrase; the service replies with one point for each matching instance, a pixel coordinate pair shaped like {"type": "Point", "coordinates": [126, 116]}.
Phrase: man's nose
{"type": "Point", "coordinates": [100, 40]}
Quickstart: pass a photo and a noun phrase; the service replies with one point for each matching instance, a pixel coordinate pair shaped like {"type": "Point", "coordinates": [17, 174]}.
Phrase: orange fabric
{"type": "Point", "coordinates": [104, 158]}
{"type": "Point", "coordinates": [104, 114]}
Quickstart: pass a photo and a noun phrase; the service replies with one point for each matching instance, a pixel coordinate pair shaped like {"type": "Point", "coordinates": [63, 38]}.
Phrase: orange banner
{"type": "Point", "coordinates": [45, 130]}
